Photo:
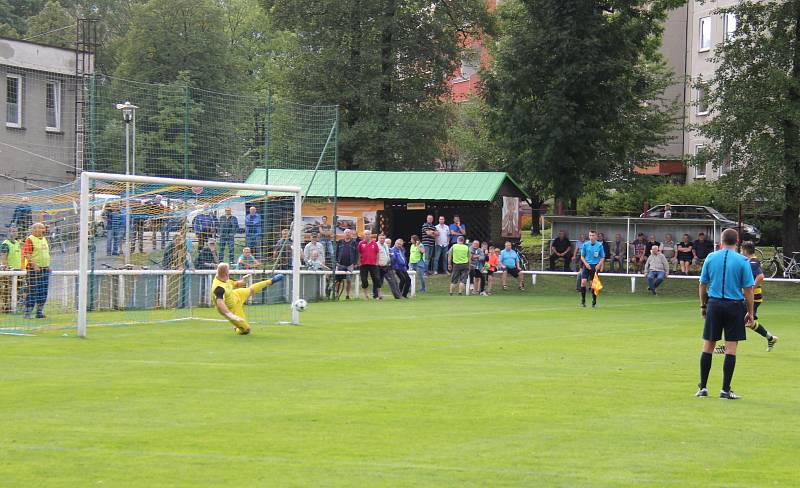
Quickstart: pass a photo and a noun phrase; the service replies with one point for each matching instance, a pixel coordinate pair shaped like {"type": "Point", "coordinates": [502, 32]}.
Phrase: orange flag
{"type": "Point", "coordinates": [597, 285]}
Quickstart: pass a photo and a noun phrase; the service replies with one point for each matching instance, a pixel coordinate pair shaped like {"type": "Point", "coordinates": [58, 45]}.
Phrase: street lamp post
{"type": "Point", "coordinates": [129, 116]}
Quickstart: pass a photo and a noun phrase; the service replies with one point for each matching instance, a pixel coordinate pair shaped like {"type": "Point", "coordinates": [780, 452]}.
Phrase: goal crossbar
{"type": "Point", "coordinates": [83, 245]}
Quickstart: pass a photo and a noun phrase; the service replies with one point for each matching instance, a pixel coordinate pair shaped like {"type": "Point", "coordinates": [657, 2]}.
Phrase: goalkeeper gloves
{"type": "Point", "coordinates": [232, 316]}
{"type": "Point", "coordinates": [278, 277]}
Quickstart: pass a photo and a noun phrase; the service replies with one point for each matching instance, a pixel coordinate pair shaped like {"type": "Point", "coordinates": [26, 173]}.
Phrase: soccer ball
{"type": "Point", "coordinates": [300, 305]}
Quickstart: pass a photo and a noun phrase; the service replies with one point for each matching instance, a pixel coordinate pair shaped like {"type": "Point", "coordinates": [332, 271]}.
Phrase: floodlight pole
{"type": "Point", "coordinates": [128, 116]}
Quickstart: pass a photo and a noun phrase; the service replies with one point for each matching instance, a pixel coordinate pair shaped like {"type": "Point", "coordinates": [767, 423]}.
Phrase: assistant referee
{"type": "Point", "coordinates": [726, 302]}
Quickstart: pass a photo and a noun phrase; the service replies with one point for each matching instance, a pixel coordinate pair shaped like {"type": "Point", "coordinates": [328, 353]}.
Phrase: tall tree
{"type": "Point", "coordinates": [386, 62]}
{"type": "Point", "coordinates": [754, 97]}
{"type": "Point", "coordinates": [168, 37]}
{"type": "Point", "coordinates": [53, 25]}
{"type": "Point", "coordinates": [576, 89]}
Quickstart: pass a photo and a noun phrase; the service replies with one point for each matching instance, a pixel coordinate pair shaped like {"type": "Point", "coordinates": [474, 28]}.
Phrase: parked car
{"type": "Point", "coordinates": [749, 232]}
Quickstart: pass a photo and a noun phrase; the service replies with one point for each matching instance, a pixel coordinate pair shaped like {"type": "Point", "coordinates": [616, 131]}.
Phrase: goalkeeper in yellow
{"type": "Point", "coordinates": [229, 296]}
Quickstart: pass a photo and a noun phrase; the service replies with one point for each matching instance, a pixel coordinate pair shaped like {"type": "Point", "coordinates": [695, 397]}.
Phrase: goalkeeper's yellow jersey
{"type": "Point", "coordinates": [232, 299]}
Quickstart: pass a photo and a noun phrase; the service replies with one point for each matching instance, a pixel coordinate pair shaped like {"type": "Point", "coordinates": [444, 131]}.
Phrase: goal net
{"type": "Point", "coordinates": [122, 250]}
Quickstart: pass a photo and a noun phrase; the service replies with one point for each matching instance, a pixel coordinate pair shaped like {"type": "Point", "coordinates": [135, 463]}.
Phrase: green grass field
{"type": "Point", "coordinates": [510, 390]}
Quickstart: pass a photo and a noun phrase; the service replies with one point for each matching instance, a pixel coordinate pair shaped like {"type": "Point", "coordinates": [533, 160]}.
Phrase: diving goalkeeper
{"type": "Point", "coordinates": [230, 296]}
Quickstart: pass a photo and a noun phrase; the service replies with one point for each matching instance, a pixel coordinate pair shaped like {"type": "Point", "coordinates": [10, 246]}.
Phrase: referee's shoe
{"type": "Point", "coordinates": [728, 395]}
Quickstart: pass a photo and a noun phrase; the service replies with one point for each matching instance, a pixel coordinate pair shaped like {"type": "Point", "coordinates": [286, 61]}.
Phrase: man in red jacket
{"type": "Point", "coordinates": [368, 264]}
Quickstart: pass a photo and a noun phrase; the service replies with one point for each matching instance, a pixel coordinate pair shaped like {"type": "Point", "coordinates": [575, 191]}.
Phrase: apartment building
{"type": "Point", "coordinates": [39, 143]}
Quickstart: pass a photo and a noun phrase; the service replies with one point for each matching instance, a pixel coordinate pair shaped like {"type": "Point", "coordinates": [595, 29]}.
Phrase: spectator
{"type": "Point", "coordinates": [576, 253]}
{"type": "Point", "coordinates": [416, 261]}
{"type": "Point", "coordinates": [368, 264]}
{"type": "Point", "coordinates": [207, 258]}
{"type": "Point", "coordinates": [668, 211]}
{"type": "Point", "coordinates": [316, 262]}
{"type": "Point", "coordinates": [606, 246]}
{"type": "Point", "coordinates": [484, 265]}
{"type": "Point", "coordinates": [649, 245]}
{"type": "Point", "coordinates": [282, 251]}
{"type": "Point", "coordinates": [492, 265]}
{"type": "Point", "coordinates": [386, 270]}
{"type": "Point", "coordinates": [476, 261]}
{"type": "Point", "coordinates": [228, 227]}
{"type": "Point", "coordinates": [178, 253]}
{"type": "Point", "coordinates": [428, 239]}
{"type": "Point", "coordinates": [346, 259]}
{"type": "Point", "coordinates": [313, 245]}
{"type": "Point", "coordinates": [442, 234]}
{"type": "Point", "coordinates": [685, 254]}
{"type": "Point", "coordinates": [36, 253]}
{"type": "Point", "coordinates": [139, 217]}
{"type": "Point", "coordinates": [669, 252]}
{"type": "Point", "coordinates": [701, 248]}
{"type": "Point", "coordinates": [115, 228]}
{"type": "Point", "coordinates": [560, 248]}
{"type": "Point", "coordinates": [252, 231]}
{"type": "Point", "coordinates": [10, 259]}
{"type": "Point", "coordinates": [457, 229]}
{"type": "Point", "coordinates": [247, 260]}
{"type": "Point", "coordinates": [656, 269]}
{"type": "Point", "coordinates": [203, 226]}
{"type": "Point", "coordinates": [458, 265]}
{"type": "Point", "coordinates": [510, 264]}
{"type": "Point", "coordinates": [618, 253]}
{"type": "Point", "coordinates": [326, 237]}
{"type": "Point", "coordinates": [400, 267]}
{"type": "Point", "coordinates": [638, 258]}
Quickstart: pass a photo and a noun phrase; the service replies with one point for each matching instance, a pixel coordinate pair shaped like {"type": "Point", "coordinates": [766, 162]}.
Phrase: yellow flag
{"type": "Point", "coordinates": [597, 285]}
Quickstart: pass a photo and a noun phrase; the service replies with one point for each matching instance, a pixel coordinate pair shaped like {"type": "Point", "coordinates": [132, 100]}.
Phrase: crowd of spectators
{"type": "Point", "coordinates": [644, 255]}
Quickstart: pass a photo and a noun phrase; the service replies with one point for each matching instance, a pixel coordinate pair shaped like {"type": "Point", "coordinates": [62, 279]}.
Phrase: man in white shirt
{"type": "Point", "coordinates": [442, 235]}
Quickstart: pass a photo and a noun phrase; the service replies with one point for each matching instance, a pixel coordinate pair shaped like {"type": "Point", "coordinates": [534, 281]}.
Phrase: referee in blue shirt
{"type": "Point", "coordinates": [726, 302]}
{"type": "Point", "coordinates": [592, 258]}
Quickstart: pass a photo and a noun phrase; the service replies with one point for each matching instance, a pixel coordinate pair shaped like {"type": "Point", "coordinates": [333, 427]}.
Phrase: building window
{"type": "Point", "coordinates": [53, 106]}
{"type": "Point", "coordinates": [13, 101]}
{"type": "Point", "coordinates": [470, 62]}
{"type": "Point", "coordinates": [700, 170]}
{"type": "Point", "coordinates": [725, 167]}
{"type": "Point", "coordinates": [730, 26]}
{"type": "Point", "coordinates": [702, 100]}
{"type": "Point", "coordinates": [705, 34]}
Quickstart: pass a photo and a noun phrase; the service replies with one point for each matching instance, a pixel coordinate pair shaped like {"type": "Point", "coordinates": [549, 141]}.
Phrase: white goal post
{"type": "Point", "coordinates": [86, 180]}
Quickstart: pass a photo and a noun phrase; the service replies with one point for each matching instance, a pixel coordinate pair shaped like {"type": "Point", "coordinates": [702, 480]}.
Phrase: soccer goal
{"type": "Point", "coordinates": [148, 248]}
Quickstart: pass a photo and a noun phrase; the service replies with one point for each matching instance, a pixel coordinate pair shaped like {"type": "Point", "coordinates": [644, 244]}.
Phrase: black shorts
{"type": "Point", "coordinates": [475, 273]}
{"type": "Point", "coordinates": [724, 315]}
{"type": "Point", "coordinates": [588, 274]}
{"type": "Point", "coordinates": [685, 257]}
{"type": "Point", "coordinates": [513, 272]}
{"type": "Point", "coordinates": [341, 267]}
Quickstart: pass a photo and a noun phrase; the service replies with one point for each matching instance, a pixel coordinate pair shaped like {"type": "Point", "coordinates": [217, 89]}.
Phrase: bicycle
{"type": "Point", "coordinates": [789, 267]}
{"type": "Point", "coordinates": [523, 260]}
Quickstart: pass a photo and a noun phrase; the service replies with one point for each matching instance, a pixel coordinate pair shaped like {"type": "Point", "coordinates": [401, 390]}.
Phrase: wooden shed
{"type": "Point", "coordinates": [397, 202]}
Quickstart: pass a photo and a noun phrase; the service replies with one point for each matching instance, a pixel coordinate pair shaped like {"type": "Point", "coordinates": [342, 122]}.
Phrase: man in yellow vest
{"type": "Point", "coordinates": [36, 254]}
{"type": "Point", "coordinates": [10, 260]}
{"type": "Point", "coordinates": [229, 296]}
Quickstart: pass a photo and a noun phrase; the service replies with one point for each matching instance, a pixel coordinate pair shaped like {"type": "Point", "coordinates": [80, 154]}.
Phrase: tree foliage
{"type": "Point", "coordinates": [577, 90]}
{"type": "Point", "coordinates": [48, 26]}
{"type": "Point", "coordinates": [754, 98]}
{"type": "Point", "coordinates": [386, 63]}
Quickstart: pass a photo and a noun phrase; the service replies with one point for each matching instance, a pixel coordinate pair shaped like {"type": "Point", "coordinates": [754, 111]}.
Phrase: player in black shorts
{"type": "Point", "coordinates": [726, 302]}
{"type": "Point", "coordinates": [749, 251]}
